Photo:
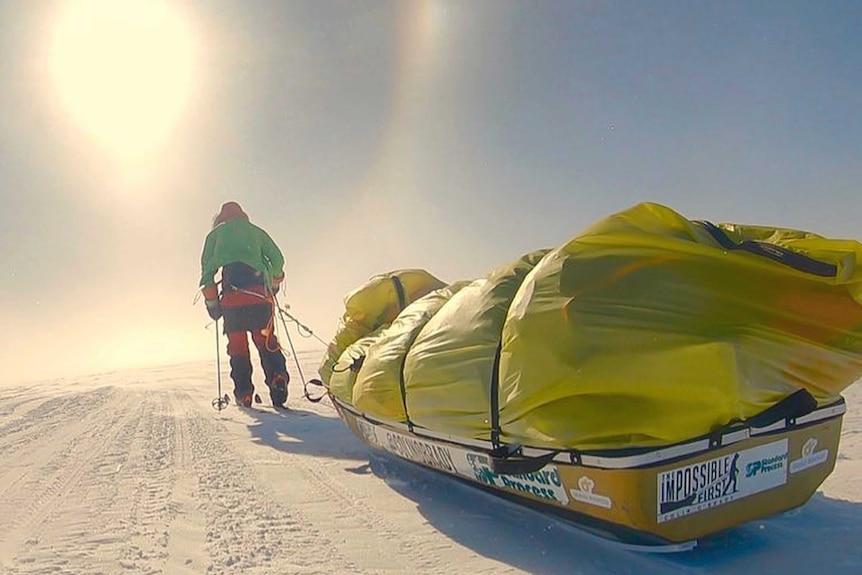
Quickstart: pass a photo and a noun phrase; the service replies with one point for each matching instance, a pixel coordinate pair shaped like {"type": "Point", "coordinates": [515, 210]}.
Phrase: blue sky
{"type": "Point", "coordinates": [370, 136]}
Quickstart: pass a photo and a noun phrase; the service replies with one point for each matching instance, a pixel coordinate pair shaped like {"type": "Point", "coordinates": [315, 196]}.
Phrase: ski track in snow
{"type": "Point", "coordinates": [135, 473]}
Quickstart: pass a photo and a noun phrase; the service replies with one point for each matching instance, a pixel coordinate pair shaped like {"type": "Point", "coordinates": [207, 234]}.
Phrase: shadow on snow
{"type": "Point", "coordinates": [806, 540]}
{"type": "Point", "coordinates": [820, 535]}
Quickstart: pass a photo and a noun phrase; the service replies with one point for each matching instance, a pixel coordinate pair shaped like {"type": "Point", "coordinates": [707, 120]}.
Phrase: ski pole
{"type": "Point", "coordinates": [221, 401]}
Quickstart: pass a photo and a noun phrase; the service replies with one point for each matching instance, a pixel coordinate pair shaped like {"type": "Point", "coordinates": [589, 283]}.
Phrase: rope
{"type": "Point", "coordinates": [305, 383]}
{"type": "Point", "coordinates": [303, 330]}
{"type": "Point", "coordinates": [270, 326]}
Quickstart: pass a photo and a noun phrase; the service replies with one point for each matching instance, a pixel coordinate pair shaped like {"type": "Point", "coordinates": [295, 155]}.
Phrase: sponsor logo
{"type": "Point", "coordinates": [420, 451]}
{"type": "Point", "coordinates": [810, 457]}
{"type": "Point", "coordinates": [693, 488]}
{"type": "Point", "coordinates": [545, 483]}
{"type": "Point", "coordinates": [766, 465]}
{"type": "Point", "coordinates": [697, 484]}
{"type": "Point", "coordinates": [584, 494]}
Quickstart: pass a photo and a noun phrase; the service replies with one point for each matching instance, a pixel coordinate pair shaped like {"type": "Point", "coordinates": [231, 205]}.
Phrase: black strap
{"type": "Point", "coordinates": [519, 464]}
{"type": "Point", "coordinates": [403, 386]}
{"type": "Point", "coordinates": [797, 404]}
{"type": "Point", "coordinates": [308, 396]}
{"type": "Point", "coordinates": [399, 289]}
{"type": "Point", "coordinates": [503, 458]}
{"type": "Point", "coordinates": [773, 252]}
{"type": "Point", "coordinates": [495, 397]}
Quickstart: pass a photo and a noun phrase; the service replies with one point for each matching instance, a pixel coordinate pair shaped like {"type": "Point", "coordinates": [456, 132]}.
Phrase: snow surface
{"type": "Point", "coordinates": [135, 473]}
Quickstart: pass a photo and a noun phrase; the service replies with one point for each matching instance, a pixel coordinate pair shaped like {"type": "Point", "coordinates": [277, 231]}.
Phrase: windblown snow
{"type": "Point", "coordinates": [136, 473]}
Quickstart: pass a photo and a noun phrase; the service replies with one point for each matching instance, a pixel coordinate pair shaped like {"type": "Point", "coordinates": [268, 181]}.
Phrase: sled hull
{"type": "Point", "coordinates": [668, 495]}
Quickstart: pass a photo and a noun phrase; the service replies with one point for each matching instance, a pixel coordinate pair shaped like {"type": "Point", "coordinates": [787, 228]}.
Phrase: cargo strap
{"type": "Point", "coordinates": [507, 459]}
{"type": "Point", "coordinates": [797, 404]}
{"type": "Point", "coordinates": [399, 290]}
{"type": "Point", "coordinates": [772, 251]}
{"type": "Point", "coordinates": [506, 463]}
{"type": "Point", "coordinates": [495, 398]}
{"type": "Point", "coordinates": [403, 387]}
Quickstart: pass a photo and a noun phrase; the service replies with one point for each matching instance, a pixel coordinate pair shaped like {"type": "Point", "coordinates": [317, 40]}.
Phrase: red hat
{"type": "Point", "coordinates": [229, 211]}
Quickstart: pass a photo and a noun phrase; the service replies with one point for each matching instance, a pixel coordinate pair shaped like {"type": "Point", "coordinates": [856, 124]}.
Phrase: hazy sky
{"type": "Point", "coordinates": [368, 135]}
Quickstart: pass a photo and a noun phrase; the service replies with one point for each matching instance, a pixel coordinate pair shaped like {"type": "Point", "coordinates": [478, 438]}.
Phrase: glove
{"type": "Point", "coordinates": [276, 283]}
{"type": "Point", "coordinates": [211, 300]}
{"type": "Point", "coordinates": [213, 308]}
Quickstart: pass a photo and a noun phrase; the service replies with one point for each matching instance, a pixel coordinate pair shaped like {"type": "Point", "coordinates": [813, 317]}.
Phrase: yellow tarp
{"type": "Point", "coordinates": [644, 330]}
{"type": "Point", "coordinates": [448, 370]}
{"type": "Point", "coordinates": [375, 304]}
{"type": "Point", "coordinates": [342, 374]}
{"type": "Point", "coordinates": [379, 391]}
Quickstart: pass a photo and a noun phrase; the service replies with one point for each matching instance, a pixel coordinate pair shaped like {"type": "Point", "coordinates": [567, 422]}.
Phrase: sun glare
{"type": "Point", "coordinates": [122, 69]}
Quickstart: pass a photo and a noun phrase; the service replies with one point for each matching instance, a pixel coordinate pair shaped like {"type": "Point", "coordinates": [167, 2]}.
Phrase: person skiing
{"type": "Point", "coordinates": [252, 271]}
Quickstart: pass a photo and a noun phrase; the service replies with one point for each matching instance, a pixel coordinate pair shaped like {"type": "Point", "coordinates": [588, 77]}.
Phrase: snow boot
{"type": "Point", "coordinates": [278, 389]}
{"type": "Point", "coordinates": [240, 373]}
{"type": "Point", "coordinates": [244, 398]}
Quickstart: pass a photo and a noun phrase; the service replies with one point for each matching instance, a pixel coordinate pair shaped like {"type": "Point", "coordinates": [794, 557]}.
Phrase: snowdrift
{"type": "Point", "coordinates": [659, 346]}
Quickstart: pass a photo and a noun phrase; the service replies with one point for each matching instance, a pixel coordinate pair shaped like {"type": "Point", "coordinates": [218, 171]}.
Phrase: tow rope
{"type": "Point", "coordinates": [284, 315]}
{"type": "Point", "coordinates": [222, 401]}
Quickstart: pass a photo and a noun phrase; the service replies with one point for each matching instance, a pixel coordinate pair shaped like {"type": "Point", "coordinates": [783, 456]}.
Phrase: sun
{"type": "Point", "coordinates": [122, 70]}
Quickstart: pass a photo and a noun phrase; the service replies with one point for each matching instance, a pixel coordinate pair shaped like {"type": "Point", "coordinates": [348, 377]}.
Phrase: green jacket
{"type": "Point", "coordinates": [238, 240]}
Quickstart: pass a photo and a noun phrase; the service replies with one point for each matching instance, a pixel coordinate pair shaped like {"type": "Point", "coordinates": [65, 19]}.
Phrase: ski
{"type": "Point", "coordinates": [609, 537]}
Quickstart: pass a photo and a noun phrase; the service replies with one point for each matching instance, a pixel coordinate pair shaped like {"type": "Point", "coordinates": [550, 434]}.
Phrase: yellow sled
{"type": "Point", "coordinates": [656, 379]}
{"type": "Point", "coordinates": [643, 498]}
